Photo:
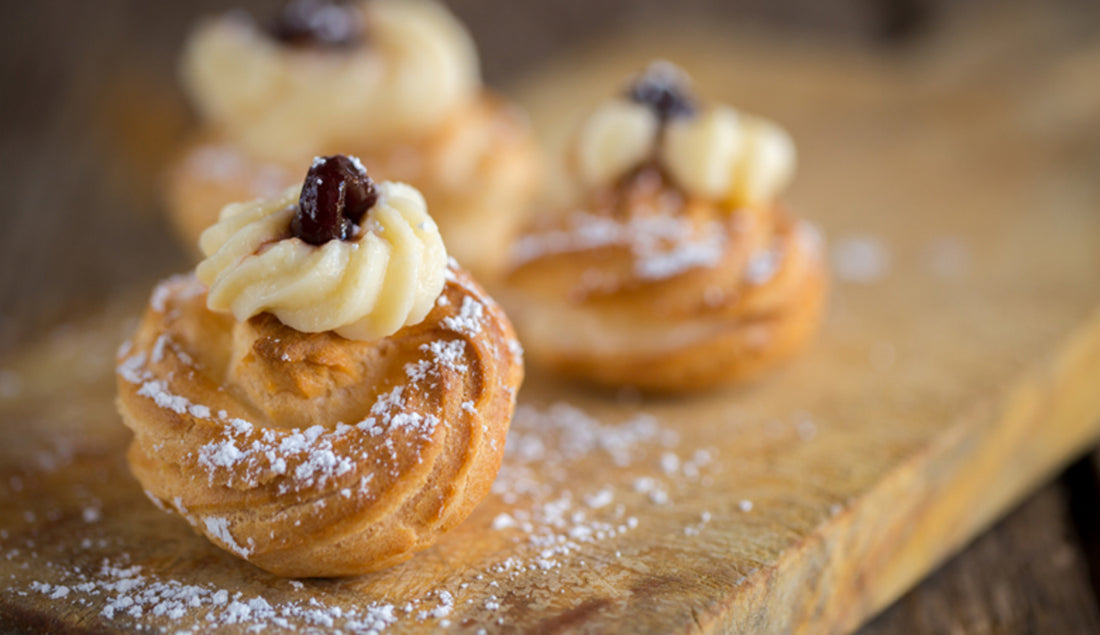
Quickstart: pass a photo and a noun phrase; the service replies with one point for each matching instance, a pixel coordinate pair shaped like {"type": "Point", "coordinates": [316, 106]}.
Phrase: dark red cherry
{"type": "Point", "coordinates": [663, 87]}
{"type": "Point", "coordinates": [336, 194]}
{"type": "Point", "coordinates": [318, 23]}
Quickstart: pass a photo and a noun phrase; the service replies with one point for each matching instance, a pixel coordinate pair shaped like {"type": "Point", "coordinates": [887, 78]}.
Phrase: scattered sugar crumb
{"type": "Point", "coordinates": [804, 425]}
{"type": "Point", "coordinates": [697, 528]}
{"type": "Point", "coordinates": [652, 489]}
{"type": "Point", "coordinates": [128, 595]}
{"type": "Point", "coordinates": [861, 259]}
{"type": "Point", "coordinates": [745, 505]}
{"type": "Point", "coordinates": [503, 521]}
{"type": "Point", "coordinates": [602, 498]}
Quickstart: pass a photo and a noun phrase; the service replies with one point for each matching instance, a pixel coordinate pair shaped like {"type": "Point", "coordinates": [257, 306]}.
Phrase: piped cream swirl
{"type": "Point", "coordinates": [417, 65]}
{"type": "Point", "coordinates": [719, 153]}
{"type": "Point", "coordinates": [386, 278]}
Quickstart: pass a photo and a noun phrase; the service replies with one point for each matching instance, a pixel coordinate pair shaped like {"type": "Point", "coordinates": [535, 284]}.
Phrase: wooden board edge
{"type": "Point", "coordinates": [862, 559]}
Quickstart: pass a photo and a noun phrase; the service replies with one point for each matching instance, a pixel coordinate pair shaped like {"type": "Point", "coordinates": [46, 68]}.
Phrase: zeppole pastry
{"type": "Point", "coordinates": [679, 270]}
{"type": "Point", "coordinates": [396, 83]}
{"type": "Point", "coordinates": [328, 393]}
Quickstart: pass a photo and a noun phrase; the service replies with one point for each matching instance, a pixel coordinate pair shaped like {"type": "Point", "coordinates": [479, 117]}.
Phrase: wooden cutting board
{"type": "Point", "coordinates": [958, 368]}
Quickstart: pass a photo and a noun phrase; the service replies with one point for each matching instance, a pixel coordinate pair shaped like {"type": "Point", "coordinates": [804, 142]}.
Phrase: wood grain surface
{"type": "Point", "coordinates": [958, 370]}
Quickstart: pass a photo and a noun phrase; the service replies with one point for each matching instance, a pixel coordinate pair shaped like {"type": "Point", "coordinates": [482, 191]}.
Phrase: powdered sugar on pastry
{"type": "Point", "coordinates": [468, 319]}
{"type": "Point", "coordinates": [246, 455]}
{"type": "Point", "coordinates": [218, 528]}
{"type": "Point", "coordinates": [430, 426]}
{"type": "Point", "coordinates": [664, 245]}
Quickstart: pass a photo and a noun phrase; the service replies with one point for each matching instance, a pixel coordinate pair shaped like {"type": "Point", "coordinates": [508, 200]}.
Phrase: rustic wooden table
{"type": "Point", "coordinates": [90, 114]}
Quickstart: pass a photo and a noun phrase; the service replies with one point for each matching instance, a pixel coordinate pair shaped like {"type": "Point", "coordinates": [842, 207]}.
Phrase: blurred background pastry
{"type": "Point", "coordinates": [680, 269]}
{"type": "Point", "coordinates": [396, 83]}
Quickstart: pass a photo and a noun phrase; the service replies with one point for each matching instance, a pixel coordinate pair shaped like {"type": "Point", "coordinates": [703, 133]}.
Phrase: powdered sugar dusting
{"type": "Point", "coordinates": [861, 259]}
{"type": "Point", "coordinates": [219, 528]}
{"type": "Point", "coordinates": [664, 245]}
{"type": "Point", "coordinates": [658, 258]}
{"type": "Point", "coordinates": [763, 265]}
{"type": "Point", "coordinates": [181, 287]}
{"type": "Point", "coordinates": [131, 368]}
{"type": "Point", "coordinates": [448, 354]}
{"type": "Point", "coordinates": [158, 391]}
{"type": "Point", "coordinates": [468, 320]}
{"type": "Point", "coordinates": [516, 349]}
{"type": "Point", "coordinates": [555, 525]}
{"type": "Point", "coordinates": [127, 595]}
{"type": "Point", "coordinates": [244, 454]}
{"type": "Point", "coordinates": [549, 526]}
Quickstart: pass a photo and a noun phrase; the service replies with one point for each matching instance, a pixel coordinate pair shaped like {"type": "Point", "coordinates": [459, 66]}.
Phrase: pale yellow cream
{"type": "Point", "coordinates": [417, 64]}
{"type": "Point", "coordinates": [387, 277]}
{"type": "Point", "coordinates": [617, 137]}
{"type": "Point", "coordinates": [718, 153]}
{"type": "Point", "coordinates": [723, 154]}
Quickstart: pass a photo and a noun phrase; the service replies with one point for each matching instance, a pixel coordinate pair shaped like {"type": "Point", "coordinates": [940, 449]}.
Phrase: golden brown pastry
{"type": "Point", "coordinates": [680, 270]}
{"type": "Point", "coordinates": [328, 393]}
{"type": "Point", "coordinates": [395, 83]}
